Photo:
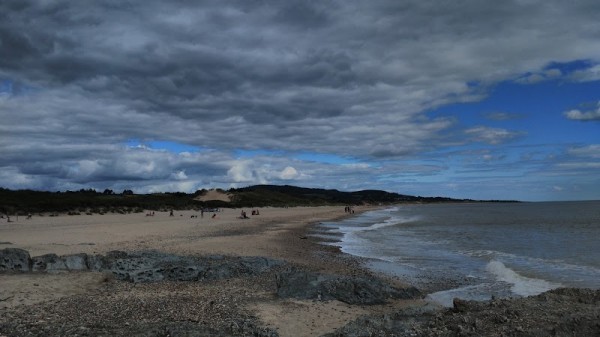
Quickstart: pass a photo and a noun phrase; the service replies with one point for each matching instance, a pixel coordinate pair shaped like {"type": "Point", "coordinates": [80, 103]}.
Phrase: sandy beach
{"type": "Point", "coordinates": [251, 277]}
{"type": "Point", "coordinates": [186, 232]}
{"type": "Point", "coordinates": [277, 233]}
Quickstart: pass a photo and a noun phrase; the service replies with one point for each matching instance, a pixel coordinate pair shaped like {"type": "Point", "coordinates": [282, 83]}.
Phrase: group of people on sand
{"type": "Point", "coordinates": [243, 215]}
{"type": "Point", "coordinates": [171, 213]}
{"type": "Point", "coordinates": [349, 210]}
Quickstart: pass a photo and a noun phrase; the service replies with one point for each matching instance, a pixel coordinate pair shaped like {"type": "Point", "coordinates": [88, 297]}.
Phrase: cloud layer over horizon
{"type": "Point", "coordinates": [333, 94]}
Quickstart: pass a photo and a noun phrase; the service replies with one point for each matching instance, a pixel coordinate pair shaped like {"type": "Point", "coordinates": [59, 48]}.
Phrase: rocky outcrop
{"type": "Point", "coordinates": [76, 261]}
{"type": "Point", "coordinates": [140, 267]}
{"type": "Point", "coordinates": [48, 262]}
{"type": "Point", "coordinates": [399, 323]}
{"type": "Point", "coordinates": [155, 266]}
{"type": "Point", "coordinates": [352, 290]}
{"type": "Point", "coordinates": [14, 259]}
{"type": "Point", "coordinates": [559, 312]}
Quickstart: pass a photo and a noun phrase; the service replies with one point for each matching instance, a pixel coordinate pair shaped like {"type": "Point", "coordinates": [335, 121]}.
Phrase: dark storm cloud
{"type": "Point", "coordinates": [349, 78]}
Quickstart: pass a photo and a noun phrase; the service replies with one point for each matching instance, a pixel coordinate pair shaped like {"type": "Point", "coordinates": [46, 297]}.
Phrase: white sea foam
{"type": "Point", "coordinates": [550, 263]}
{"type": "Point", "coordinates": [482, 250]}
{"type": "Point", "coordinates": [520, 285]}
{"type": "Point", "coordinates": [394, 220]}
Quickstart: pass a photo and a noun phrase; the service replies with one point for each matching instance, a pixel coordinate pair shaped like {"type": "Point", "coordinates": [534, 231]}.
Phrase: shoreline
{"type": "Point", "coordinates": [278, 233]}
{"type": "Point", "coordinates": [94, 303]}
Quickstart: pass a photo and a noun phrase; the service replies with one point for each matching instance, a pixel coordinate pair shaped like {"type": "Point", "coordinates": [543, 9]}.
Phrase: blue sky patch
{"type": "Point", "coordinates": [170, 146]}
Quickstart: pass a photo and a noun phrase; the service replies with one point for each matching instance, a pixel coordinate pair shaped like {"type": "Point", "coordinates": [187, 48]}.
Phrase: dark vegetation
{"type": "Point", "coordinates": [91, 201]}
{"type": "Point", "coordinates": [273, 195]}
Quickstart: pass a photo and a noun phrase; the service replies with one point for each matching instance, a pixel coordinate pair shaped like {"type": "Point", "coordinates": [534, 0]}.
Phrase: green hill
{"type": "Point", "coordinates": [91, 201]}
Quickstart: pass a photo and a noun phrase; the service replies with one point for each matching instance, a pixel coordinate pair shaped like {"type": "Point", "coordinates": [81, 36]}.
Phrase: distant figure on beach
{"type": "Point", "coordinates": [171, 213]}
{"type": "Point", "coordinates": [244, 216]}
{"type": "Point", "coordinates": [214, 215]}
{"type": "Point", "coordinates": [202, 213]}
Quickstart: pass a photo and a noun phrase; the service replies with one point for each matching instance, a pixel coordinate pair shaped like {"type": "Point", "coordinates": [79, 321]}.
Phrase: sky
{"type": "Point", "coordinates": [462, 99]}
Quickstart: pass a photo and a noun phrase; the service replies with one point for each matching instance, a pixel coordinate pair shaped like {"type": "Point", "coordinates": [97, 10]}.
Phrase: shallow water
{"type": "Point", "coordinates": [479, 250]}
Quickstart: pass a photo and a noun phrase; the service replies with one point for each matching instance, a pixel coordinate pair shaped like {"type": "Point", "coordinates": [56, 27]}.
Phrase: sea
{"type": "Point", "coordinates": [476, 251]}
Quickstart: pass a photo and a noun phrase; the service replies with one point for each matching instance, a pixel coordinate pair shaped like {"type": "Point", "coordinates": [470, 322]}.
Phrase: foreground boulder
{"type": "Point", "coordinates": [155, 266]}
{"type": "Point", "coordinates": [48, 262]}
{"type": "Point", "coordinates": [76, 261]}
{"type": "Point", "coordinates": [352, 290]}
{"type": "Point", "coordinates": [140, 267]}
{"type": "Point", "coordinates": [14, 259]}
{"type": "Point", "coordinates": [559, 312]}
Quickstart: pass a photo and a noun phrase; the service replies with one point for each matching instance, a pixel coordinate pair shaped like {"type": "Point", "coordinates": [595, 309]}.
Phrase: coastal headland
{"type": "Point", "coordinates": [192, 273]}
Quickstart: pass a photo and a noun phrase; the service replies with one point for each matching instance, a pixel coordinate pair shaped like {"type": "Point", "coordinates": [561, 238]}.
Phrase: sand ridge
{"type": "Point", "coordinates": [212, 195]}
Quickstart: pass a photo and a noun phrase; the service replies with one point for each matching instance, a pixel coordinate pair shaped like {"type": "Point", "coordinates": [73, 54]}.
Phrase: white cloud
{"type": "Point", "coordinates": [240, 172]}
{"type": "Point", "coordinates": [590, 115]}
{"type": "Point", "coordinates": [587, 75]}
{"type": "Point", "coordinates": [491, 135]}
{"type": "Point", "coordinates": [289, 173]}
{"type": "Point", "coordinates": [351, 79]}
{"type": "Point", "coordinates": [590, 151]}
{"type": "Point", "coordinates": [539, 77]}
{"type": "Point", "coordinates": [180, 175]}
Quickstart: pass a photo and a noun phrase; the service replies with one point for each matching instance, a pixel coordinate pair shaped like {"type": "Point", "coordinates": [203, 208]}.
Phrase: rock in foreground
{"type": "Point", "coordinates": [154, 266]}
{"type": "Point", "coordinates": [352, 290]}
{"type": "Point", "coordinates": [14, 259]}
{"type": "Point", "coordinates": [559, 312]}
{"type": "Point", "coordinates": [147, 266]}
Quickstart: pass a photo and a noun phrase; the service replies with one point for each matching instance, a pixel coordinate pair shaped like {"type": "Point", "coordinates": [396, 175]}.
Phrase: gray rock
{"type": "Point", "coordinates": [352, 290]}
{"type": "Point", "coordinates": [155, 266]}
{"type": "Point", "coordinates": [76, 261]}
{"type": "Point", "coordinates": [48, 262]}
{"type": "Point", "coordinates": [143, 276]}
{"type": "Point", "coordinates": [14, 259]}
{"type": "Point", "coordinates": [355, 290]}
{"type": "Point", "coordinates": [141, 267]}
{"type": "Point", "coordinates": [298, 284]}
{"type": "Point", "coordinates": [95, 262]}
{"type": "Point", "coordinates": [404, 322]}
{"type": "Point", "coordinates": [559, 312]}
{"type": "Point", "coordinates": [257, 264]}
{"type": "Point", "coordinates": [459, 305]}
{"type": "Point", "coordinates": [184, 273]}
{"type": "Point", "coordinates": [220, 271]}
